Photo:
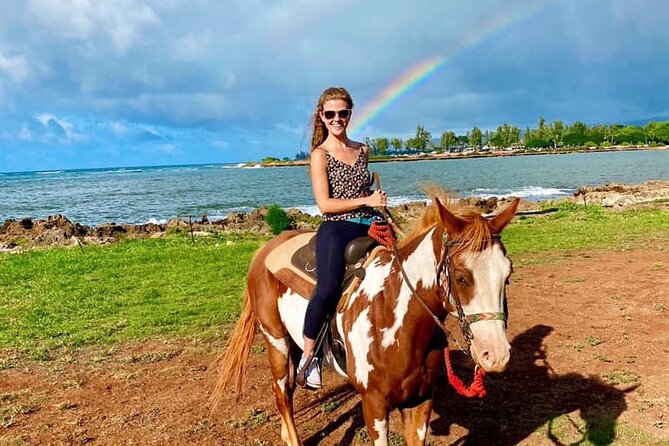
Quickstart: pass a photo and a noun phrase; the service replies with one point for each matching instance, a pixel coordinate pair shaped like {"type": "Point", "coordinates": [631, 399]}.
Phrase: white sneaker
{"type": "Point", "coordinates": [313, 375]}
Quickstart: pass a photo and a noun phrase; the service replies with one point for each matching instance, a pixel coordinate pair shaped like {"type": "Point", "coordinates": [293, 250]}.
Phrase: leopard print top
{"type": "Point", "coordinates": [348, 182]}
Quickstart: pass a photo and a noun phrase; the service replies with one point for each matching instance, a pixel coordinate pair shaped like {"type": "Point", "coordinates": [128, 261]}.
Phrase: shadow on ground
{"type": "Point", "coordinates": [526, 397]}
{"type": "Point", "coordinates": [529, 395]}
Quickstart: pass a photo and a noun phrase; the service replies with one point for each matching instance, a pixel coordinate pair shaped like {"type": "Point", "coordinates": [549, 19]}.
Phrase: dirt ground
{"type": "Point", "coordinates": [590, 339]}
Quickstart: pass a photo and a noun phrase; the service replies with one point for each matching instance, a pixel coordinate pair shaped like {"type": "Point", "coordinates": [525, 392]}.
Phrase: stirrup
{"type": "Point", "coordinates": [309, 373]}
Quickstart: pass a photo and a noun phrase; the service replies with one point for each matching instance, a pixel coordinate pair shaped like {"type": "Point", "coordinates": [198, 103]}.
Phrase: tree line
{"type": "Point", "coordinates": [553, 135]}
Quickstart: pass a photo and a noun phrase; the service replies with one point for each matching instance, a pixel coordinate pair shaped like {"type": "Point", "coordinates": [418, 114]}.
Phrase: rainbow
{"type": "Point", "coordinates": [421, 71]}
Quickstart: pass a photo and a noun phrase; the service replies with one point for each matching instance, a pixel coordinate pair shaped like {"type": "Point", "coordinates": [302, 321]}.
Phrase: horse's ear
{"type": "Point", "coordinates": [452, 223]}
{"type": "Point", "coordinates": [503, 218]}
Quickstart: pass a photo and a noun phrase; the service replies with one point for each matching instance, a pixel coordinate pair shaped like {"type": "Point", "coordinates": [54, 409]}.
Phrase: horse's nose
{"type": "Point", "coordinates": [494, 361]}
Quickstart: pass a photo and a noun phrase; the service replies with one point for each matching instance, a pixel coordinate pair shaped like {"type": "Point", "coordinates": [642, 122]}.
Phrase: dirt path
{"type": "Point", "coordinates": [590, 337]}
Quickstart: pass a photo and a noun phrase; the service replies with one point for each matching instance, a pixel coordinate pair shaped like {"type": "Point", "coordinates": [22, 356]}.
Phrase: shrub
{"type": "Point", "coordinates": [277, 219]}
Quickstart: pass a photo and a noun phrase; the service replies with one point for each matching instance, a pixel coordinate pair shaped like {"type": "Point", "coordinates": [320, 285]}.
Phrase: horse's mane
{"type": "Point", "coordinates": [477, 231]}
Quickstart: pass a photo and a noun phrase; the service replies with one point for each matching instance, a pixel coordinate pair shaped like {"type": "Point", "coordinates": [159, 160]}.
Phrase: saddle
{"type": "Point", "coordinates": [294, 262]}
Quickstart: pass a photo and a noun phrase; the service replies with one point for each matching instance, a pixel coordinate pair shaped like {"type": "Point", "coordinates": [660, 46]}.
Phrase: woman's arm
{"type": "Point", "coordinates": [319, 184]}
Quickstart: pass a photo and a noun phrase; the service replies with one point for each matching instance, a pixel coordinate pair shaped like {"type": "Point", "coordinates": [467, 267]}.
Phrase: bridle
{"type": "Point", "coordinates": [445, 277]}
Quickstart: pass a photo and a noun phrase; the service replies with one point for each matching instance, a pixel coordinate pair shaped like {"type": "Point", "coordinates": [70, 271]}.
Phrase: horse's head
{"type": "Point", "coordinates": [476, 271]}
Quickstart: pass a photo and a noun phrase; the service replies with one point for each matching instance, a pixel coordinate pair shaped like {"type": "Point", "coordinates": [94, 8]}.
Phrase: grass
{"type": "Point", "coordinates": [574, 227]}
{"type": "Point", "coordinates": [254, 418]}
{"type": "Point", "coordinates": [570, 429]}
{"type": "Point", "coordinates": [136, 289]}
{"type": "Point", "coordinates": [130, 290]}
{"type": "Point", "coordinates": [617, 377]}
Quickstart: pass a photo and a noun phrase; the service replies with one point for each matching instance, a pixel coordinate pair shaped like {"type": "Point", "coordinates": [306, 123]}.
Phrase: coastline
{"type": "Point", "coordinates": [58, 230]}
{"type": "Point", "coordinates": [462, 155]}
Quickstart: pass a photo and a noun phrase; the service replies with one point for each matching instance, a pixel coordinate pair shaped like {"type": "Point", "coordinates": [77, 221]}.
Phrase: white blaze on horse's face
{"type": "Point", "coordinates": [490, 269]}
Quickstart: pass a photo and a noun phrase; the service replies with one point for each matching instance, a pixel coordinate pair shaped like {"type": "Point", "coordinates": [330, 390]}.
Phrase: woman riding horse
{"type": "Point", "coordinates": [341, 185]}
{"type": "Point", "coordinates": [391, 324]}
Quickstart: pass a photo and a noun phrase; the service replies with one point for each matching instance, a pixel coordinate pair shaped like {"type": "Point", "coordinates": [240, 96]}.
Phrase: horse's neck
{"type": "Point", "coordinates": [419, 260]}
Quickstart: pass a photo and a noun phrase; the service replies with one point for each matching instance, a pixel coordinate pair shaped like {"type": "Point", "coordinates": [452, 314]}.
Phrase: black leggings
{"type": "Point", "coordinates": [331, 241]}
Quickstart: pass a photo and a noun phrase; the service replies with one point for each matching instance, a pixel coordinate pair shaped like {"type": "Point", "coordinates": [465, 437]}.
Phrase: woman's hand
{"type": "Point", "coordinates": [378, 199]}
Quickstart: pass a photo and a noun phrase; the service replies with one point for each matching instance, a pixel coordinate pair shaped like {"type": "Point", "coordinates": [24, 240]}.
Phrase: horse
{"type": "Point", "coordinates": [448, 264]}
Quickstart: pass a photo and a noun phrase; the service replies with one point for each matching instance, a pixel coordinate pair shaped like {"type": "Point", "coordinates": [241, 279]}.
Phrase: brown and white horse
{"type": "Point", "coordinates": [393, 345]}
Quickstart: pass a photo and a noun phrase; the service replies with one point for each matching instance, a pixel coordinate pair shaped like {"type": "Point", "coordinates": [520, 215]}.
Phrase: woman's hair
{"type": "Point", "coordinates": [320, 131]}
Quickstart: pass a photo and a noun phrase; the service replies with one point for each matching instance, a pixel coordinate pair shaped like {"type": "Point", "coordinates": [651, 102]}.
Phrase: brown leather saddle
{"type": "Point", "coordinates": [354, 255]}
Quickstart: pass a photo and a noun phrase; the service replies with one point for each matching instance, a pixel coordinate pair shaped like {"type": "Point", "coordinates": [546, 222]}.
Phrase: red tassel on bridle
{"type": "Point", "coordinates": [475, 389]}
{"type": "Point", "coordinates": [382, 232]}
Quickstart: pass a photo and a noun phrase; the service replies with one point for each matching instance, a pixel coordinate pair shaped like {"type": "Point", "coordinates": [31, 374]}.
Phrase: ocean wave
{"type": "Point", "coordinates": [312, 209]}
{"type": "Point", "coordinates": [50, 172]}
{"type": "Point", "coordinates": [241, 166]}
{"type": "Point", "coordinates": [527, 192]}
{"type": "Point", "coordinates": [157, 221]}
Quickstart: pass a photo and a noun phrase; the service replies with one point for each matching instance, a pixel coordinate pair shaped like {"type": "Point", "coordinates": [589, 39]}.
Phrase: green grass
{"type": "Point", "coordinates": [601, 430]}
{"type": "Point", "coordinates": [575, 227]}
{"type": "Point", "coordinates": [129, 290]}
{"type": "Point", "coordinates": [168, 286]}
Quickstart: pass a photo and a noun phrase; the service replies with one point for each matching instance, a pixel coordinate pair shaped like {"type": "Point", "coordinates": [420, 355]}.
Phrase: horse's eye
{"type": "Point", "coordinates": [462, 280]}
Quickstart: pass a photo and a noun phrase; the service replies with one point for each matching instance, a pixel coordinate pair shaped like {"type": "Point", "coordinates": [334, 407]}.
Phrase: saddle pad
{"type": "Point", "coordinates": [278, 262]}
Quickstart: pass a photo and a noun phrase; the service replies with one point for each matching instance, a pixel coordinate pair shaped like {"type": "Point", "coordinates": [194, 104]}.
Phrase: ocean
{"type": "Point", "coordinates": [157, 194]}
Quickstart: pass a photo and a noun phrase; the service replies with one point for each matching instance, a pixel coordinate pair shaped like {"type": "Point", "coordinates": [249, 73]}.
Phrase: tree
{"type": "Point", "coordinates": [421, 142]}
{"type": "Point", "coordinates": [447, 140]}
{"type": "Point", "coordinates": [629, 135]}
{"type": "Point", "coordinates": [555, 132]}
{"type": "Point", "coordinates": [462, 141]}
{"type": "Point", "coordinates": [658, 131]}
{"type": "Point", "coordinates": [381, 145]}
{"type": "Point", "coordinates": [505, 136]}
{"type": "Point", "coordinates": [301, 155]}
{"type": "Point", "coordinates": [575, 134]}
{"type": "Point", "coordinates": [597, 134]}
{"type": "Point", "coordinates": [371, 143]}
{"type": "Point", "coordinates": [541, 129]}
{"type": "Point", "coordinates": [396, 143]}
{"type": "Point", "coordinates": [475, 138]}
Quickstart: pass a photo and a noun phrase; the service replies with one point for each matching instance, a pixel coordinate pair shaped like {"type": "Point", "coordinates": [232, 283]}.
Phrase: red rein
{"type": "Point", "coordinates": [475, 389]}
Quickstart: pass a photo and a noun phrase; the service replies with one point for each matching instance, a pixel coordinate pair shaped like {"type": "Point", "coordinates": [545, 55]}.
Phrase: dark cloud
{"type": "Point", "coordinates": [205, 71]}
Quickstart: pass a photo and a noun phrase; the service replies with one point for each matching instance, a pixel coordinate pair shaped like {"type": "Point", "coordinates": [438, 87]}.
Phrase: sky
{"type": "Point", "coordinates": [87, 84]}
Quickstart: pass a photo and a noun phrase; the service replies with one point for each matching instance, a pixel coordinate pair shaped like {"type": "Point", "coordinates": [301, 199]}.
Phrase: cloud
{"type": "Point", "coordinates": [16, 67]}
{"type": "Point", "coordinates": [118, 128]}
{"type": "Point", "coordinates": [64, 129]}
{"type": "Point", "coordinates": [123, 22]}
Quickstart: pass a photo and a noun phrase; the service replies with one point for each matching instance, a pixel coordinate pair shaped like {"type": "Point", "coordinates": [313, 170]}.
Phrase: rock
{"type": "Point", "coordinates": [57, 230]}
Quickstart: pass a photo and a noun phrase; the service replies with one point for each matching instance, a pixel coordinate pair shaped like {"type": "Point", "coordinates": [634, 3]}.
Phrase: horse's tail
{"type": "Point", "coordinates": [233, 361]}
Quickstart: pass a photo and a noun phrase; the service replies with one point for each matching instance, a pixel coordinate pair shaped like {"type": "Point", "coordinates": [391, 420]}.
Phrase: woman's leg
{"type": "Point", "coordinates": [331, 241]}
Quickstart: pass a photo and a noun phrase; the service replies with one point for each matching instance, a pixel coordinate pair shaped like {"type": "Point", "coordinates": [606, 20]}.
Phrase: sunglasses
{"type": "Point", "coordinates": [343, 114]}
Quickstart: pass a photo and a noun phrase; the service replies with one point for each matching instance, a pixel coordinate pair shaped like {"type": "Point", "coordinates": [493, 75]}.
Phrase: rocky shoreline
{"type": "Point", "coordinates": [58, 230]}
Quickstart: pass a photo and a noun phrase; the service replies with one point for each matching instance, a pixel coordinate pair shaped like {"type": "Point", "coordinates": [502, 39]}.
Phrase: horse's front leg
{"type": "Point", "coordinates": [375, 412]}
{"type": "Point", "coordinates": [279, 350]}
{"type": "Point", "coordinates": [415, 420]}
